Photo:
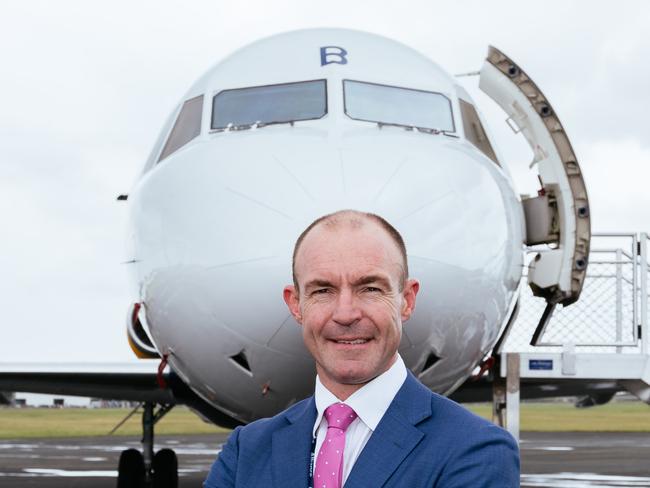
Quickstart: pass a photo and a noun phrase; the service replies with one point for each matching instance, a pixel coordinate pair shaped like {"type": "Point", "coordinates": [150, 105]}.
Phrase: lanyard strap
{"type": "Point", "coordinates": [311, 463]}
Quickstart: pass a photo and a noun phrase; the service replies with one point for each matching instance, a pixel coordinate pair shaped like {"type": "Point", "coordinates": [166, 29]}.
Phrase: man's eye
{"type": "Point", "coordinates": [372, 289]}
{"type": "Point", "coordinates": [320, 291]}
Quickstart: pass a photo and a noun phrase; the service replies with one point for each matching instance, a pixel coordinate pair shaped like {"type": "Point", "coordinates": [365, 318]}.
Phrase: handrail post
{"type": "Point", "coordinates": [512, 394]}
{"type": "Point", "coordinates": [619, 299]}
{"type": "Point", "coordinates": [643, 322]}
{"type": "Point", "coordinates": [636, 266]}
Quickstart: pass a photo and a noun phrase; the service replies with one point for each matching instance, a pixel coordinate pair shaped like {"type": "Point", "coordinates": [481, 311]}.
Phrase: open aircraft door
{"type": "Point", "coordinates": [559, 215]}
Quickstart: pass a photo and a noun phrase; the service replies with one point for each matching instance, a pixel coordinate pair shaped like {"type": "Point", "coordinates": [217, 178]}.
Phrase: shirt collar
{"type": "Point", "coordinates": [371, 401]}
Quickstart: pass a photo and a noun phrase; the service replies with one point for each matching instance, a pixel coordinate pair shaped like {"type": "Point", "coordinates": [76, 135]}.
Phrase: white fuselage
{"type": "Point", "coordinates": [214, 224]}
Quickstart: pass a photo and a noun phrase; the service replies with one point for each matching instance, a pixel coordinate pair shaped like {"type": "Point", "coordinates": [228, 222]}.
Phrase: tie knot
{"type": "Point", "coordinates": [339, 416]}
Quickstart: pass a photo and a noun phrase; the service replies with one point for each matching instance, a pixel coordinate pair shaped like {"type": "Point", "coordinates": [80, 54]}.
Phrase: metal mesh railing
{"type": "Point", "coordinates": [606, 316]}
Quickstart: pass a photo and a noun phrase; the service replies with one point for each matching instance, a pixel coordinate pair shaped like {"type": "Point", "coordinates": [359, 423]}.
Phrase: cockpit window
{"type": "Point", "coordinates": [271, 104]}
{"type": "Point", "coordinates": [393, 105]}
{"type": "Point", "coordinates": [186, 127]}
{"type": "Point", "coordinates": [474, 131]}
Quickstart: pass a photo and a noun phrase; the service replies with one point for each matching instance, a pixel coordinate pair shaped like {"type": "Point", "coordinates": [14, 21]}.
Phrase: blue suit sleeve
{"type": "Point", "coordinates": [490, 460]}
{"type": "Point", "coordinates": [224, 469]}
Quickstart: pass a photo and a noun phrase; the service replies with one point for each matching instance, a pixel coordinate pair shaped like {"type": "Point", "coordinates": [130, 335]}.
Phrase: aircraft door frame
{"type": "Point", "coordinates": [559, 215]}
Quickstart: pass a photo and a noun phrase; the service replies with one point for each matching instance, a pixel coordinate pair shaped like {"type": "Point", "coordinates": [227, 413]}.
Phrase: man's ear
{"type": "Point", "coordinates": [292, 299]}
{"type": "Point", "coordinates": [411, 288]}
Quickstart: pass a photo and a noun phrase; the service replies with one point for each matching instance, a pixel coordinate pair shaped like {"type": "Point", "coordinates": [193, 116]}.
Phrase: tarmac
{"type": "Point", "coordinates": [554, 460]}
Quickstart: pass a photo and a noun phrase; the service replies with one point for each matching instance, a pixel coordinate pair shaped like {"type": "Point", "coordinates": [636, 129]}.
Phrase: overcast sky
{"type": "Point", "coordinates": [85, 87]}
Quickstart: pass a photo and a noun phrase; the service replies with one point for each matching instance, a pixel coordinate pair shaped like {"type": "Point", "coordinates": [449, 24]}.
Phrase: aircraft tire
{"type": "Point", "coordinates": [130, 471]}
{"type": "Point", "coordinates": [165, 469]}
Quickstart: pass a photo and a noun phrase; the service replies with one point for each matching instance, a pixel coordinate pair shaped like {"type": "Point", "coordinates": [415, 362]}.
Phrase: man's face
{"type": "Point", "coordinates": [349, 301]}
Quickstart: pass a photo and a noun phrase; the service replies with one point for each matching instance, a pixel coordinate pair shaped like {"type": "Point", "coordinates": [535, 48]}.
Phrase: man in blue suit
{"type": "Point", "coordinates": [370, 423]}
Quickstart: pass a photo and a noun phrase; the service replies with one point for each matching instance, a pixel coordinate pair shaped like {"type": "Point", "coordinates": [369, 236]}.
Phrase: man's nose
{"type": "Point", "coordinates": [347, 309]}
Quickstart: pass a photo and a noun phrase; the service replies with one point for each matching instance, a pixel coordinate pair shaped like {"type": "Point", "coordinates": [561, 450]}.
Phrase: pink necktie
{"type": "Point", "coordinates": [329, 463]}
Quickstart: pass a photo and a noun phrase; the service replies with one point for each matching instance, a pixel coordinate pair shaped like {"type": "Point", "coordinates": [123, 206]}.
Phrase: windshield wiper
{"type": "Point", "coordinates": [426, 130]}
{"type": "Point", "coordinates": [256, 125]}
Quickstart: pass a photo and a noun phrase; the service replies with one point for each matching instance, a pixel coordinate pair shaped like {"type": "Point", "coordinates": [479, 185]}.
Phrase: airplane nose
{"type": "Point", "coordinates": [219, 221]}
{"type": "Point", "coordinates": [228, 202]}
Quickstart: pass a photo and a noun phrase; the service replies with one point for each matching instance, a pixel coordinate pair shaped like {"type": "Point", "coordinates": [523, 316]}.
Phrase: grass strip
{"type": "Point", "coordinates": [535, 417]}
{"type": "Point", "coordinates": [564, 417]}
{"type": "Point", "coordinates": [74, 422]}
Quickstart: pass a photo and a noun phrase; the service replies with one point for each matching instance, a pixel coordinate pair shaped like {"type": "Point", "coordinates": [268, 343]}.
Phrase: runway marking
{"type": "Point", "coordinates": [549, 448]}
{"type": "Point", "coordinates": [65, 473]}
{"type": "Point", "coordinates": [69, 473]}
{"type": "Point", "coordinates": [582, 480]}
{"type": "Point", "coordinates": [197, 449]}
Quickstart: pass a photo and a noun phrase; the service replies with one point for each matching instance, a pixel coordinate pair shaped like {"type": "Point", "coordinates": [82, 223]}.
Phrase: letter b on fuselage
{"type": "Point", "coordinates": [333, 55]}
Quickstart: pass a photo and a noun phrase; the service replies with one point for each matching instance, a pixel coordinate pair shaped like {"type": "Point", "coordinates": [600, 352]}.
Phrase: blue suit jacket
{"type": "Point", "coordinates": [423, 440]}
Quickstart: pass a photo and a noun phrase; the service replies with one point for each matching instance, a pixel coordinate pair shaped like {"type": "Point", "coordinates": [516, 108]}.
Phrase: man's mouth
{"type": "Point", "coordinates": [351, 341]}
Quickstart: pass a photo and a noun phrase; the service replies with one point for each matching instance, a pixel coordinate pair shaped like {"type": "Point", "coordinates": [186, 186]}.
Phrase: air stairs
{"type": "Point", "coordinates": [604, 336]}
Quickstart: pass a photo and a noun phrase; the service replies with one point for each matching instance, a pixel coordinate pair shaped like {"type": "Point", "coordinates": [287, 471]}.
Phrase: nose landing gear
{"type": "Point", "coordinates": [144, 469]}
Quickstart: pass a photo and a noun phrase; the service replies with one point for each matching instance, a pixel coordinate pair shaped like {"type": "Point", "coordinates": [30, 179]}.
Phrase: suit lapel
{"type": "Point", "coordinates": [395, 437]}
{"type": "Point", "coordinates": [291, 448]}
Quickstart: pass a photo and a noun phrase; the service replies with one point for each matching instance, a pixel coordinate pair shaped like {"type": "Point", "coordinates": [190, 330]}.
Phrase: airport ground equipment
{"type": "Point", "coordinates": [602, 340]}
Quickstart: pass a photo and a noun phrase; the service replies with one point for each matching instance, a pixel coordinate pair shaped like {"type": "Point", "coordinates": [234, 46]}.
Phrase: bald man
{"type": "Point", "coordinates": [370, 422]}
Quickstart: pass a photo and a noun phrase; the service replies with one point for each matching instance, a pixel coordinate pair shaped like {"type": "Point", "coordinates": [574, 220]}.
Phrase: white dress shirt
{"type": "Point", "coordinates": [370, 402]}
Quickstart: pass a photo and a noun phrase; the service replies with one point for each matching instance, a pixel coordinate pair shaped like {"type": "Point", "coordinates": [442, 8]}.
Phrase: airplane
{"type": "Point", "coordinates": [299, 125]}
